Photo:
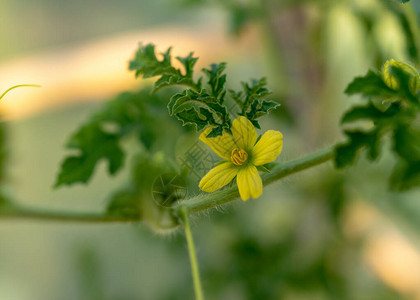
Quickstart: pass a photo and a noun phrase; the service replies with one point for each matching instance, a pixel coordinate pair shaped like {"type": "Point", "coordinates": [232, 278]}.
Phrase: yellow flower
{"type": "Point", "coordinates": [242, 156]}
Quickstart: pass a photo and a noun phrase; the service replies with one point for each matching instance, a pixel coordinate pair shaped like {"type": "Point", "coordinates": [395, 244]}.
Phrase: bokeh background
{"type": "Point", "coordinates": [321, 234]}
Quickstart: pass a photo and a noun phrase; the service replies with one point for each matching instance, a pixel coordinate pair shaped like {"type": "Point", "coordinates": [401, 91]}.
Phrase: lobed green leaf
{"type": "Point", "coordinates": [397, 87]}
{"type": "Point", "coordinates": [346, 152]}
{"type": "Point", "coordinates": [197, 105]}
{"type": "Point", "coordinates": [128, 113]}
{"type": "Point", "coordinates": [94, 144]}
{"type": "Point", "coordinates": [146, 64]}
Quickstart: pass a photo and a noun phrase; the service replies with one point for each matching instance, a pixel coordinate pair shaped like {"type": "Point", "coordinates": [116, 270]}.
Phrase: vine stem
{"type": "Point", "coordinates": [210, 200]}
{"type": "Point", "coordinates": [18, 212]}
{"type": "Point", "coordinates": [193, 205]}
{"type": "Point", "coordinates": [18, 86]}
{"type": "Point", "coordinates": [183, 212]}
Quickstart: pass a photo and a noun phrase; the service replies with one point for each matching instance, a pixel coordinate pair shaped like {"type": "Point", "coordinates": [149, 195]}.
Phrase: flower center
{"type": "Point", "coordinates": [239, 156]}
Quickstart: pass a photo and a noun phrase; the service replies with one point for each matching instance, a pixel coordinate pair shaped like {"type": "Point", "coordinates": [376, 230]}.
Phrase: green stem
{"type": "Point", "coordinates": [17, 86]}
{"type": "Point", "coordinates": [193, 256]}
{"type": "Point", "coordinates": [414, 25]}
{"type": "Point", "coordinates": [37, 214]}
{"type": "Point", "coordinates": [207, 201]}
{"type": "Point", "coordinates": [195, 204]}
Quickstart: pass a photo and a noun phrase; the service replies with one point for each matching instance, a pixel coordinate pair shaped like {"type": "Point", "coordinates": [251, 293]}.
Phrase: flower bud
{"type": "Point", "coordinates": [392, 82]}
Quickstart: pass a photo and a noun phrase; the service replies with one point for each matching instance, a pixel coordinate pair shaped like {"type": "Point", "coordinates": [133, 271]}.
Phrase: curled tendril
{"type": "Point", "coordinates": [17, 86]}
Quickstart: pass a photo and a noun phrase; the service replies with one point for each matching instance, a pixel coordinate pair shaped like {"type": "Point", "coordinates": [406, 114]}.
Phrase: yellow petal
{"type": "Point", "coordinates": [267, 148]}
{"type": "Point", "coordinates": [218, 177]}
{"type": "Point", "coordinates": [249, 182]}
{"type": "Point", "coordinates": [244, 133]}
{"type": "Point", "coordinates": [221, 145]}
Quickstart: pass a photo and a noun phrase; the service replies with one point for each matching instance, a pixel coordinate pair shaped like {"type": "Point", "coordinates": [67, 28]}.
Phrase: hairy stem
{"type": "Point", "coordinates": [207, 201]}
{"type": "Point", "coordinates": [193, 205]}
{"type": "Point", "coordinates": [183, 211]}
{"type": "Point", "coordinates": [44, 215]}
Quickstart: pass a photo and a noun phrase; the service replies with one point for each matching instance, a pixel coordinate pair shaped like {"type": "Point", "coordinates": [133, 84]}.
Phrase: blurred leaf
{"type": "Point", "coordinates": [100, 137]}
{"type": "Point", "coordinates": [153, 187]}
{"type": "Point", "coordinates": [405, 175]}
{"type": "Point", "coordinates": [370, 112]}
{"type": "Point", "coordinates": [146, 63]}
{"type": "Point", "coordinates": [407, 146]}
{"type": "Point", "coordinates": [125, 204]}
{"type": "Point", "coordinates": [398, 85]}
{"type": "Point", "coordinates": [370, 85]}
{"type": "Point", "coordinates": [168, 188]}
{"type": "Point", "coordinates": [347, 152]}
{"type": "Point", "coordinates": [239, 17]}
{"type": "Point", "coordinates": [90, 275]}
{"type": "Point", "coordinates": [93, 144]}
{"type": "Point", "coordinates": [3, 152]}
{"type": "Point", "coordinates": [132, 112]}
{"type": "Point", "coordinates": [407, 19]}
{"type": "Point", "coordinates": [5, 202]}
{"type": "Point", "coordinates": [407, 143]}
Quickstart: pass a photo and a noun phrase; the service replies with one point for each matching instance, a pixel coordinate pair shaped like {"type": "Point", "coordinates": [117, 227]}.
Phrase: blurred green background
{"type": "Point", "coordinates": [321, 234]}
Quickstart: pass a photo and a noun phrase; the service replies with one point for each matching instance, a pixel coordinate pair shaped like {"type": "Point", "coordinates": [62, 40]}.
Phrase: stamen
{"type": "Point", "coordinates": [239, 156]}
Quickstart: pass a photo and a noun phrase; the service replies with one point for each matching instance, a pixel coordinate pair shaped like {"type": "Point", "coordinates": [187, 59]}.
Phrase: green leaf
{"type": "Point", "coordinates": [237, 97]}
{"type": "Point", "coordinates": [398, 86]}
{"type": "Point", "coordinates": [370, 85]}
{"type": "Point", "coordinates": [128, 114]}
{"type": "Point", "coordinates": [199, 109]}
{"type": "Point", "coordinates": [403, 1]}
{"type": "Point", "coordinates": [252, 100]}
{"type": "Point", "coordinates": [346, 152]}
{"type": "Point", "coordinates": [152, 188]}
{"type": "Point", "coordinates": [370, 112]}
{"type": "Point", "coordinates": [405, 176]}
{"type": "Point", "coordinates": [260, 108]}
{"type": "Point", "coordinates": [197, 105]}
{"type": "Point", "coordinates": [217, 80]}
{"type": "Point", "coordinates": [146, 63]}
{"type": "Point", "coordinates": [189, 97]}
{"type": "Point", "coordinates": [216, 131]}
{"type": "Point", "coordinates": [191, 117]}
{"type": "Point", "coordinates": [170, 80]}
{"type": "Point", "coordinates": [93, 144]}
{"type": "Point", "coordinates": [407, 143]}
{"type": "Point", "coordinates": [132, 112]}
{"type": "Point", "coordinates": [405, 84]}
{"type": "Point", "coordinates": [188, 62]}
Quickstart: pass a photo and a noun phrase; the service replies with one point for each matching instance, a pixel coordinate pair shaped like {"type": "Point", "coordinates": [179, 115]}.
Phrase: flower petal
{"type": "Point", "coordinates": [244, 134]}
{"type": "Point", "coordinates": [267, 148]}
{"type": "Point", "coordinates": [218, 177]}
{"type": "Point", "coordinates": [221, 145]}
{"type": "Point", "coordinates": [249, 182]}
